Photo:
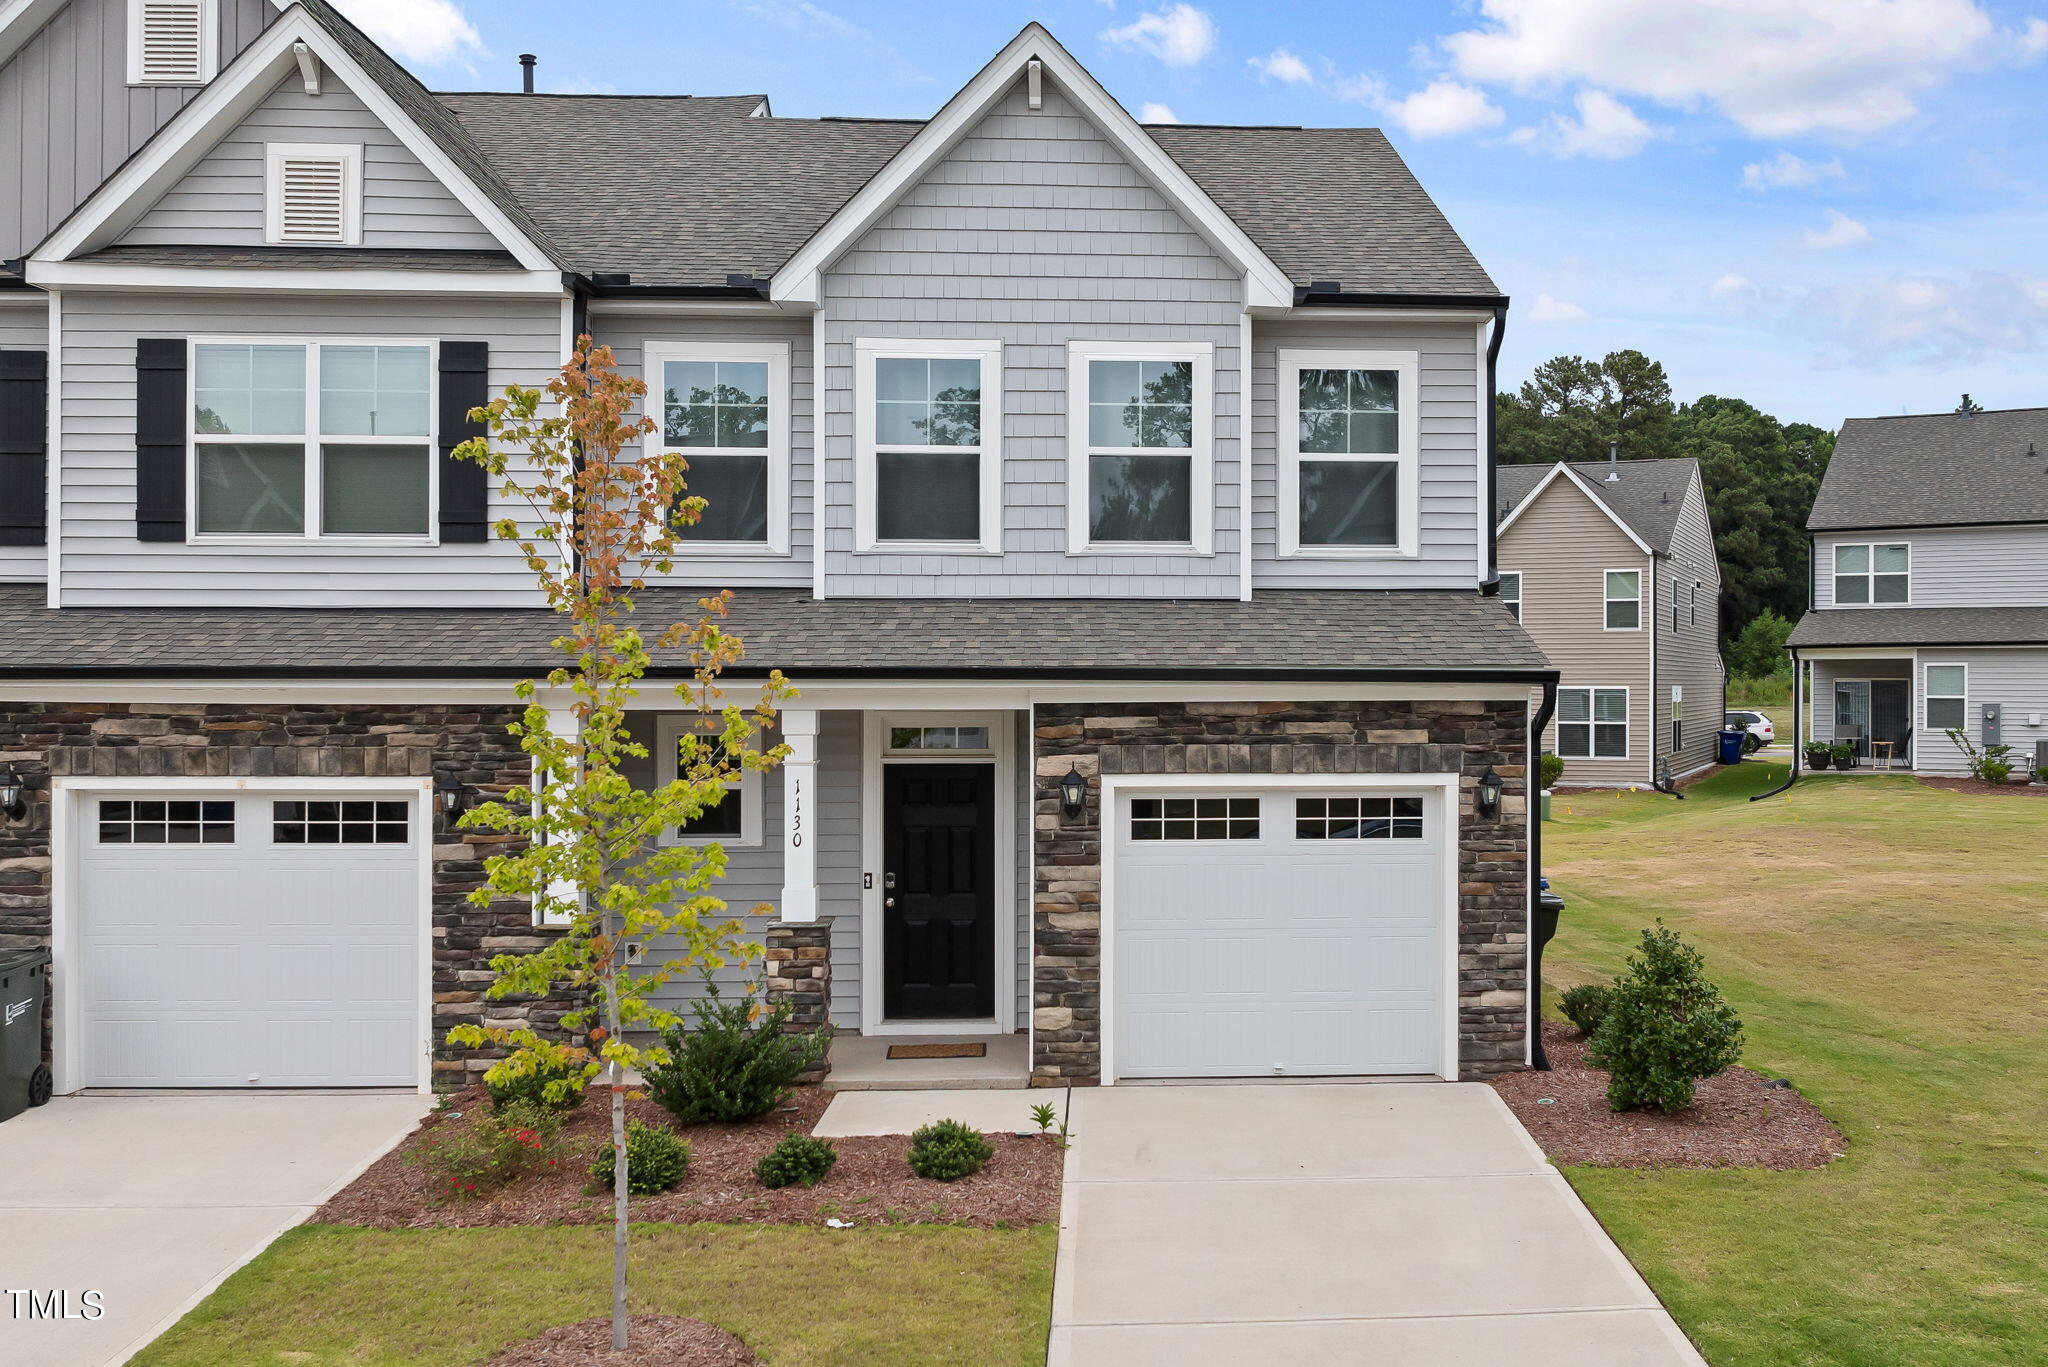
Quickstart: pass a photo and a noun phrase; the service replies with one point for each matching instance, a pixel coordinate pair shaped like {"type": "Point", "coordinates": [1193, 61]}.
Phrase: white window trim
{"type": "Point", "coordinates": [1927, 695]}
{"type": "Point", "coordinates": [1407, 365]}
{"type": "Point", "coordinates": [1870, 550]}
{"type": "Point", "coordinates": [669, 731]}
{"type": "Point", "coordinates": [1521, 587]}
{"type": "Point", "coordinates": [993, 727]}
{"type": "Point", "coordinates": [868, 350]}
{"type": "Point", "coordinates": [655, 356]}
{"type": "Point", "coordinates": [1628, 740]}
{"type": "Point", "coordinates": [209, 46]}
{"type": "Point", "coordinates": [349, 154]}
{"type": "Point", "coordinates": [312, 439]}
{"type": "Point", "coordinates": [1200, 453]}
{"type": "Point", "coordinates": [1606, 598]}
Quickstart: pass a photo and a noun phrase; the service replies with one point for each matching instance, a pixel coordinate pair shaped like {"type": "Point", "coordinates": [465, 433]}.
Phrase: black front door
{"type": "Point", "coordinates": [1891, 715]}
{"type": "Point", "coordinates": [938, 891]}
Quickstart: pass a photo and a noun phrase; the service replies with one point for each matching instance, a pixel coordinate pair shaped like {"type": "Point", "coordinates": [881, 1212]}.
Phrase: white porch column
{"type": "Point", "coordinates": [799, 803]}
{"type": "Point", "coordinates": [562, 721]}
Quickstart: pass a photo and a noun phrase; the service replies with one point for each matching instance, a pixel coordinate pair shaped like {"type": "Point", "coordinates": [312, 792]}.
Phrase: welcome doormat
{"type": "Point", "coordinates": [938, 1051]}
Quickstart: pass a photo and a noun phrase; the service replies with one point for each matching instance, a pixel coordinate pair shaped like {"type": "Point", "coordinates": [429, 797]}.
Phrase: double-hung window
{"type": "Point", "coordinates": [1948, 690]}
{"type": "Point", "coordinates": [725, 409]}
{"type": "Point", "coordinates": [1873, 573]}
{"type": "Point", "coordinates": [1511, 592]}
{"type": "Point", "coordinates": [1624, 600]}
{"type": "Point", "coordinates": [313, 440]}
{"type": "Point", "coordinates": [736, 819]}
{"type": "Point", "coordinates": [928, 445]}
{"type": "Point", "coordinates": [1349, 435]}
{"type": "Point", "coordinates": [1592, 723]}
{"type": "Point", "coordinates": [1138, 470]}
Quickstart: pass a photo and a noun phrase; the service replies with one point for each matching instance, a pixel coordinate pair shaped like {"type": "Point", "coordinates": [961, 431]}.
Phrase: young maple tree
{"type": "Point", "coordinates": [604, 510]}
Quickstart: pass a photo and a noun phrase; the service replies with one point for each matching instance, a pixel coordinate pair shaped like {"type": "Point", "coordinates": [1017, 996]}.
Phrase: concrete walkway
{"type": "Point", "coordinates": [1392, 1225]}
{"type": "Point", "coordinates": [152, 1201]}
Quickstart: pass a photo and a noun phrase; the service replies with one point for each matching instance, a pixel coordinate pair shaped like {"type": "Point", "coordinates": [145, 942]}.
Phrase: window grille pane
{"type": "Point", "coordinates": [166, 823]}
{"type": "Point", "coordinates": [373, 490]}
{"type": "Point", "coordinates": [248, 488]}
{"type": "Point", "coordinates": [374, 391]}
{"type": "Point", "coordinates": [715, 403]}
{"type": "Point", "coordinates": [1141, 403]}
{"type": "Point", "coordinates": [1349, 503]}
{"type": "Point", "coordinates": [927, 496]}
{"type": "Point", "coordinates": [1140, 498]}
{"type": "Point", "coordinates": [340, 823]}
{"type": "Point", "coordinates": [1188, 818]}
{"type": "Point", "coordinates": [249, 390]}
{"type": "Point", "coordinates": [1350, 411]}
{"type": "Point", "coordinates": [927, 402]}
{"type": "Point", "coordinates": [735, 490]}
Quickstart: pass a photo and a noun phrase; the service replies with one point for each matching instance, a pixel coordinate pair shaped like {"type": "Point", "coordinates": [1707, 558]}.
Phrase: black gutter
{"type": "Point", "coordinates": [1933, 526]}
{"type": "Point", "coordinates": [1490, 586]}
{"type": "Point", "coordinates": [1517, 677]}
{"type": "Point", "coordinates": [1798, 744]}
{"type": "Point", "coordinates": [1898, 643]}
{"type": "Point", "coordinates": [1538, 1059]}
{"type": "Point", "coordinates": [1339, 299]}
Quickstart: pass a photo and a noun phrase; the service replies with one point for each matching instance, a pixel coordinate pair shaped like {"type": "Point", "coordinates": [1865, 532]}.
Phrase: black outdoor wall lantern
{"type": "Point", "coordinates": [1073, 792]}
{"type": "Point", "coordinates": [13, 794]}
{"type": "Point", "coordinates": [1487, 795]}
{"type": "Point", "coordinates": [448, 796]}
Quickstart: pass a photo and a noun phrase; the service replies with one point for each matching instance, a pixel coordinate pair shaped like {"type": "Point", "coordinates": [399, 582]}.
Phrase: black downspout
{"type": "Point", "coordinates": [579, 328]}
{"type": "Point", "coordinates": [1798, 746]}
{"type": "Point", "coordinates": [1533, 780]}
{"type": "Point", "coordinates": [1490, 585]}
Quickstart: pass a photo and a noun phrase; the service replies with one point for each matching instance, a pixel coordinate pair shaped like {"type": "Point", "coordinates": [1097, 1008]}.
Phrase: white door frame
{"type": "Point", "coordinates": [1442, 787]}
{"type": "Point", "coordinates": [1002, 754]}
{"type": "Point", "coordinates": [67, 852]}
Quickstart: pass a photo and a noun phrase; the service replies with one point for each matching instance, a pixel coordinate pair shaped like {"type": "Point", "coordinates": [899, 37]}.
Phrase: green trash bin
{"type": "Point", "coordinates": [24, 1078]}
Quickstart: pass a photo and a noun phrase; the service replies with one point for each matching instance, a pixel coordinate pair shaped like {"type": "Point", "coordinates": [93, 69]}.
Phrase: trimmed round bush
{"type": "Point", "coordinates": [738, 1063]}
{"type": "Point", "coordinates": [547, 1075]}
{"type": "Point", "coordinates": [799, 1160]}
{"type": "Point", "coordinates": [1666, 1028]}
{"type": "Point", "coordinates": [656, 1159]}
{"type": "Point", "coordinates": [1549, 768]}
{"type": "Point", "coordinates": [1586, 1006]}
{"type": "Point", "coordinates": [946, 1151]}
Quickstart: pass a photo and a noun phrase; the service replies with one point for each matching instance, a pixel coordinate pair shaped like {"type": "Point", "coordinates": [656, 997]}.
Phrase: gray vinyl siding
{"type": "Point", "coordinates": [221, 200]}
{"type": "Point", "coordinates": [69, 118]}
{"type": "Point", "coordinates": [2015, 676]}
{"type": "Point", "coordinates": [24, 326]}
{"type": "Point", "coordinates": [628, 335]}
{"type": "Point", "coordinates": [101, 561]}
{"type": "Point", "coordinates": [1448, 462]}
{"type": "Point", "coordinates": [1953, 566]}
{"type": "Point", "coordinates": [1563, 545]}
{"type": "Point", "coordinates": [1689, 653]}
{"type": "Point", "coordinates": [1033, 231]}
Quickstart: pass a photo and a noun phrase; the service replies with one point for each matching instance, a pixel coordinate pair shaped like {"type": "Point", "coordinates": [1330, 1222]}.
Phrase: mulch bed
{"type": "Point", "coordinates": [1734, 1122]}
{"type": "Point", "coordinates": [1978, 785]}
{"type": "Point", "coordinates": [871, 1183]}
{"type": "Point", "coordinates": [651, 1341]}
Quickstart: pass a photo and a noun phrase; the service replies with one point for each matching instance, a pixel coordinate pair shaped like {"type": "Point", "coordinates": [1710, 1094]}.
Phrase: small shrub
{"type": "Point", "coordinates": [544, 1074]}
{"type": "Point", "coordinates": [947, 1150]}
{"type": "Point", "coordinates": [1666, 1027]}
{"type": "Point", "coordinates": [1989, 764]}
{"type": "Point", "coordinates": [1585, 1006]}
{"type": "Point", "coordinates": [474, 1156]}
{"type": "Point", "coordinates": [1844, 753]}
{"type": "Point", "coordinates": [797, 1160]}
{"type": "Point", "coordinates": [656, 1159]}
{"type": "Point", "coordinates": [1549, 769]}
{"type": "Point", "coordinates": [738, 1063]}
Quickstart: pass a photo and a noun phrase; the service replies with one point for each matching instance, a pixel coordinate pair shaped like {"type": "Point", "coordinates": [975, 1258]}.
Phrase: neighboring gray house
{"type": "Point", "coordinates": [1610, 566]}
{"type": "Point", "coordinates": [1040, 445]}
{"type": "Point", "coordinates": [1930, 587]}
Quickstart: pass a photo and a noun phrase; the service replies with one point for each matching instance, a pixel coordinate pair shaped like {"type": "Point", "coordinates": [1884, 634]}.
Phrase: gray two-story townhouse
{"type": "Point", "coordinates": [1117, 496]}
{"type": "Point", "coordinates": [1930, 588]}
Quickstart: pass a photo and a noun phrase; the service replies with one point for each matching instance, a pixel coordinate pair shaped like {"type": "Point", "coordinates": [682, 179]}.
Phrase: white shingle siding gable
{"type": "Point", "coordinates": [1033, 230]}
{"type": "Point", "coordinates": [223, 201]}
{"type": "Point", "coordinates": [1952, 567]}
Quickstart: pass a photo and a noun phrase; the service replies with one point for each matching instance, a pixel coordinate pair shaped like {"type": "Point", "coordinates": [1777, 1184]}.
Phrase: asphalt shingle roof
{"type": "Point", "coordinates": [1922, 627]}
{"type": "Point", "coordinates": [1280, 633]}
{"type": "Point", "coordinates": [1648, 496]}
{"type": "Point", "coordinates": [1935, 470]}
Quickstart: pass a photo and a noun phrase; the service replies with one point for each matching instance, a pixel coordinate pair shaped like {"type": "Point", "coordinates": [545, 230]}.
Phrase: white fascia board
{"type": "Point", "coordinates": [247, 279]}
{"type": "Point", "coordinates": [1266, 285]}
{"type": "Point", "coordinates": [21, 20]}
{"type": "Point", "coordinates": [1598, 502]}
{"type": "Point", "coordinates": [230, 98]}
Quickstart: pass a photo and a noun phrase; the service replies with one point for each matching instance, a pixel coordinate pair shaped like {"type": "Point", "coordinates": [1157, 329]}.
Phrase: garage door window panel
{"type": "Point", "coordinates": [340, 823]}
{"type": "Point", "coordinates": [1358, 818]}
{"type": "Point", "coordinates": [1195, 818]}
{"type": "Point", "coordinates": [148, 822]}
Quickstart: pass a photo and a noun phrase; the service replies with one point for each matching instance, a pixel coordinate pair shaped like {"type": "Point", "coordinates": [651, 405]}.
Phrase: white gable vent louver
{"type": "Point", "coordinates": [170, 42]}
{"type": "Point", "coordinates": [313, 195]}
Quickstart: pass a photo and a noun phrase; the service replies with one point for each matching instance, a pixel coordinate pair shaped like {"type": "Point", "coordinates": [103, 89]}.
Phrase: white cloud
{"type": "Point", "coordinates": [1443, 108]}
{"type": "Point", "coordinates": [1731, 284]}
{"type": "Point", "coordinates": [1179, 35]}
{"type": "Point", "coordinates": [1776, 67]}
{"type": "Point", "coordinates": [1157, 113]}
{"type": "Point", "coordinates": [432, 32]}
{"type": "Point", "coordinates": [1786, 171]}
{"type": "Point", "coordinates": [1927, 317]}
{"type": "Point", "coordinates": [1282, 65]}
{"type": "Point", "coordinates": [1605, 128]}
{"type": "Point", "coordinates": [1549, 310]}
{"type": "Point", "coordinates": [1841, 231]}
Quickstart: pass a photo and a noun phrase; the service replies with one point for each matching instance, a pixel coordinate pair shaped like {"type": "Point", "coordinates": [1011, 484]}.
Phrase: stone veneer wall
{"type": "Point", "coordinates": [799, 971]}
{"type": "Point", "coordinates": [1254, 738]}
{"type": "Point", "coordinates": [469, 744]}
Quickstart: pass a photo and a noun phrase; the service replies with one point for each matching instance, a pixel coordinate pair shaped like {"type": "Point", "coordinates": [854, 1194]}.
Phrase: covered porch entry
{"type": "Point", "coordinates": [1865, 701]}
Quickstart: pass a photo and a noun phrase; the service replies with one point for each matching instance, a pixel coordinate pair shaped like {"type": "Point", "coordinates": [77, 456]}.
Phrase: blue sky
{"type": "Point", "coordinates": [1829, 207]}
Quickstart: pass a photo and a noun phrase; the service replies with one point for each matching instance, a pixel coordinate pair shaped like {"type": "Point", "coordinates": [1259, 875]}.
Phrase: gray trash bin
{"type": "Point", "coordinates": [24, 1079]}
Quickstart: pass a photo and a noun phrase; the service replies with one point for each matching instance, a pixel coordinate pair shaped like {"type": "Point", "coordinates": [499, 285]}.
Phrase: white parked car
{"type": "Point", "coordinates": [1761, 732]}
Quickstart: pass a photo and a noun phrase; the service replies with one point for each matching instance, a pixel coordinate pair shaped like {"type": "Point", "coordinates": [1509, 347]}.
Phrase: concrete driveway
{"type": "Point", "coordinates": [152, 1200]}
{"type": "Point", "coordinates": [1396, 1225]}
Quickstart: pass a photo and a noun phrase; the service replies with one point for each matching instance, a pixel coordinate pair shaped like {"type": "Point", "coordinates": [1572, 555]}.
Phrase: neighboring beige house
{"type": "Point", "coordinates": [1611, 568]}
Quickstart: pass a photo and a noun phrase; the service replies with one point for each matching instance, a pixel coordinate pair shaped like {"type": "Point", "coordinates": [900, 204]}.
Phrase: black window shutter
{"type": "Point", "coordinates": [24, 446]}
{"type": "Point", "coordinates": [465, 486]}
{"type": "Point", "coordinates": [160, 439]}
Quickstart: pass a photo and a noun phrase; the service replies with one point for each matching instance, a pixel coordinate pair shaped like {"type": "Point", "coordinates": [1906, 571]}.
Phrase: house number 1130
{"type": "Point", "coordinates": [796, 813]}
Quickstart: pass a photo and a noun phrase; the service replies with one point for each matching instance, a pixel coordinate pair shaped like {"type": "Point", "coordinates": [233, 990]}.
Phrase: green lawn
{"type": "Point", "coordinates": [334, 1296]}
{"type": "Point", "coordinates": [1887, 946]}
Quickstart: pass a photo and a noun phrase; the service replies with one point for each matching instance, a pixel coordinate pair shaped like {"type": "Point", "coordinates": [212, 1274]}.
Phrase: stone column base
{"type": "Point", "coordinates": [799, 972]}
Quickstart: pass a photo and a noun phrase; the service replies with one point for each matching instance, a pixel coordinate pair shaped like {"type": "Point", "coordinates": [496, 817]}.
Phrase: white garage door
{"type": "Point", "coordinates": [267, 940]}
{"type": "Point", "coordinates": [1273, 932]}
